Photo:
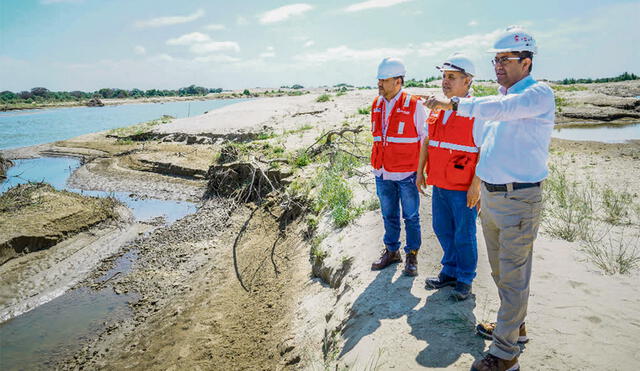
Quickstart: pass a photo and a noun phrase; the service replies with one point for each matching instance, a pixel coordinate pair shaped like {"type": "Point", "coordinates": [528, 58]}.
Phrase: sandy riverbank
{"type": "Point", "coordinates": [230, 287]}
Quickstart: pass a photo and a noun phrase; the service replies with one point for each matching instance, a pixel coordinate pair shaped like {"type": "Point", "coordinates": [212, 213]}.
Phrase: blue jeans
{"type": "Point", "coordinates": [392, 194]}
{"type": "Point", "coordinates": [455, 226]}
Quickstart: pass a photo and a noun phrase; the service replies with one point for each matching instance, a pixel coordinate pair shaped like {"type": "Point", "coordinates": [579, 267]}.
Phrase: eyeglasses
{"type": "Point", "coordinates": [501, 61]}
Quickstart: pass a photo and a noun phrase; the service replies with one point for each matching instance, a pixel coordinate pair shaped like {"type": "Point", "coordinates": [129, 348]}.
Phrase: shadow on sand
{"type": "Point", "coordinates": [446, 325]}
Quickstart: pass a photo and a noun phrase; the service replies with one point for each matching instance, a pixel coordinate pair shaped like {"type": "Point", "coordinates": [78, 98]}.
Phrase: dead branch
{"type": "Point", "coordinates": [235, 248]}
{"type": "Point", "coordinates": [314, 151]}
{"type": "Point", "coordinates": [308, 113]}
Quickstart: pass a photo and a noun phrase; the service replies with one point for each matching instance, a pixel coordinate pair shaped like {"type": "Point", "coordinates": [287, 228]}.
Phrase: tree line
{"type": "Point", "coordinates": [623, 77]}
{"type": "Point", "coordinates": [41, 95]}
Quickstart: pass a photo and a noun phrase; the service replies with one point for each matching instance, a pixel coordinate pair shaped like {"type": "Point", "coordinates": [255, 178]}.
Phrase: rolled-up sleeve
{"type": "Point", "coordinates": [533, 102]}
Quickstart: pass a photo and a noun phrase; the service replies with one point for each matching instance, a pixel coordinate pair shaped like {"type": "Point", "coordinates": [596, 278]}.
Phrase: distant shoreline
{"type": "Point", "coordinates": [115, 102]}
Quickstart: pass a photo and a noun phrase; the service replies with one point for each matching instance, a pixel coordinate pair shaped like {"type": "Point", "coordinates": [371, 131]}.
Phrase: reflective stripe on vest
{"type": "Point", "coordinates": [377, 139]}
{"type": "Point", "coordinates": [407, 100]}
{"type": "Point", "coordinates": [457, 147]}
{"type": "Point", "coordinates": [403, 140]}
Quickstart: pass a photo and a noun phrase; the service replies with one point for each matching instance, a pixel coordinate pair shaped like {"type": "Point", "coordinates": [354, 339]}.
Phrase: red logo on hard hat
{"type": "Point", "coordinates": [516, 37]}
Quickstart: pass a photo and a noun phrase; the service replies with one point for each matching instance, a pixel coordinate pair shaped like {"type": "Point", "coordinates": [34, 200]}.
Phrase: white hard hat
{"type": "Point", "coordinates": [515, 39]}
{"type": "Point", "coordinates": [458, 62]}
{"type": "Point", "coordinates": [391, 67]}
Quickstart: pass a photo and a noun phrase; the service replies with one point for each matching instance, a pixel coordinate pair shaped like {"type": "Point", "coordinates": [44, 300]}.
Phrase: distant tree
{"type": "Point", "coordinates": [216, 90]}
{"type": "Point", "coordinates": [106, 93]}
{"type": "Point", "coordinates": [246, 92]}
{"type": "Point", "coordinates": [297, 86]}
{"type": "Point", "coordinates": [40, 92]}
{"type": "Point", "coordinates": [25, 94]}
{"type": "Point", "coordinates": [7, 96]}
{"type": "Point", "coordinates": [120, 93]}
{"type": "Point", "coordinates": [78, 94]}
{"type": "Point", "coordinates": [136, 93]}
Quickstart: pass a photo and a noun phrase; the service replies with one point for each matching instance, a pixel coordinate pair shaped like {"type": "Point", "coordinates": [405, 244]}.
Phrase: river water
{"type": "Point", "coordinates": [29, 127]}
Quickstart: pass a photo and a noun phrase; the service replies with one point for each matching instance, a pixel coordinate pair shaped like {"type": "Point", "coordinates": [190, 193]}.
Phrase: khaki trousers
{"type": "Point", "coordinates": [510, 223]}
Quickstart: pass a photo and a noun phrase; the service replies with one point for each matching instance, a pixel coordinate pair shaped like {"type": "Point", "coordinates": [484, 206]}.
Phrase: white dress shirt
{"type": "Point", "coordinates": [419, 119]}
{"type": "Point", "coordinates": [517, 132]}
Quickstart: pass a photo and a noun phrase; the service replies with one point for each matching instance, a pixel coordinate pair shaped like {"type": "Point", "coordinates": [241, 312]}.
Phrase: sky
{"type": "Point", "coordinates": [167, 44]}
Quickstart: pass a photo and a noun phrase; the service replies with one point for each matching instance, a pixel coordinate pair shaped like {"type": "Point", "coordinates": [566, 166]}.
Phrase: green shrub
{"type": "Point", "coordinates": [323, 98]}
{"type": "Point", "coordinates": [364, 110]}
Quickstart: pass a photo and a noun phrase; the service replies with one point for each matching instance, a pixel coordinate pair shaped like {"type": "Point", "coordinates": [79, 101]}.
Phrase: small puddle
{"type": "Point", "coordinates": [599, 133]}
{"type": "Point", "coordinates": [58, 328]}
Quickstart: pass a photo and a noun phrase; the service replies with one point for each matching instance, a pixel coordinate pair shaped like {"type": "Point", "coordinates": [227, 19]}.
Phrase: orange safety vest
{"type": "Point", "coordinates": [398, 150]}
{"type": "Point", "coordinates": [453, 153]}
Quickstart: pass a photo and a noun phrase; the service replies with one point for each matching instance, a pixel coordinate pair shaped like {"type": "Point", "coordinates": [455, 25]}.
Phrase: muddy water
{"type": "Point", "coordinates": [58, 328]}
{"type": "Point", "coordinates": [600, 133]}
{"type": "Point", "coordinates": [56, 171]}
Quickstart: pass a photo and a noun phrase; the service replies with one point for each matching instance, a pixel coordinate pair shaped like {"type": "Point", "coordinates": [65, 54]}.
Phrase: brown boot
{"type": "Point", "coordinates": [493, 363]}
{"type": "Point", "coordinates": [387, 258]}
{"type": "Point", "coordinates": [411, 263]}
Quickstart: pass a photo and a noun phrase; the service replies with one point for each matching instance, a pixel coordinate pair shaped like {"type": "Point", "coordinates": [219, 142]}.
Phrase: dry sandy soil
{"type": "Point", "coordinates": [231, 286]}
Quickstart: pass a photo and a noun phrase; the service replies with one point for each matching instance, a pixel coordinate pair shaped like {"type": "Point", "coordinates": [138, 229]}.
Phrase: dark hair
{"type": "Point", "coordinates": [401, 79]}
{"type": "Point", "coordinates": [525, 55]}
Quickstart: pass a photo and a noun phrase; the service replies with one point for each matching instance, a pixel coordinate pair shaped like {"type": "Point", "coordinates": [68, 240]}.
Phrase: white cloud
{"type": "Point", "coordinates": [345, 53]}
{"type": "Point", "coordinates": [218, 58]}
{"type": "Point", "coordinates": [470, 44]}
{"type": "Point", "coordinates": [214, 27]}
{"type": "Point", "coordinates": [284, 12]}
{"type": "Point", "coordinates": [168, 21]}
{"type": "Point", "coordinates": [373, 4]}
{"type": "Point", "coordinates": [139, 50]}
{"type": "Point", "coordinates": [214, 46]}
{"type": "Point", "coordinates": [267, 55]}
{"type": "Point", "coordinates": [189, 39]}
{"type": "Point", "coordinates": [472, 23]}
{"type": "Point", "coordinates": [309, 43]}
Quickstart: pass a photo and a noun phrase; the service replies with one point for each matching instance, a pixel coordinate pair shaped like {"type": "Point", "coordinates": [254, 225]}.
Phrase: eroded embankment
{"type": "Point", "coordinates": [35, 217]}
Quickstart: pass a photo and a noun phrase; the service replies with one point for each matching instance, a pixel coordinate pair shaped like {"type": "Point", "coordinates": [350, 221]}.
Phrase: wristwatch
{"type": "Point", "coordinates": [454, 103]}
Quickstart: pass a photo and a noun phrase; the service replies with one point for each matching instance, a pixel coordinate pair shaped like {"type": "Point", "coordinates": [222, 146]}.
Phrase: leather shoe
{"type": "Point", "coordinates": [411, 263]}
{"type": "Point", "coordinates": [387, 258]}
{"type": "Point", "coordinates": [441, 281]}
{"type": "Point", "coordinates": [462, 291]}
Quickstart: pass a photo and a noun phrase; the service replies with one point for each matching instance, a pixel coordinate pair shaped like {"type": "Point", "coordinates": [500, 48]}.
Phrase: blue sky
{"type": "Point", "coordinates": [90, 44]}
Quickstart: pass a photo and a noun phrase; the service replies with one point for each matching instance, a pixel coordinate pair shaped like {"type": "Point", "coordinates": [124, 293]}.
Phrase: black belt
{"type": "Point", "coordinates": [503, 187]}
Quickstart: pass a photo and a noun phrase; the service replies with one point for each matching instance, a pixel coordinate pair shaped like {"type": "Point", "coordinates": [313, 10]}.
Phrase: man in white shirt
{"type": "Point", "coordinates": [512, 166]}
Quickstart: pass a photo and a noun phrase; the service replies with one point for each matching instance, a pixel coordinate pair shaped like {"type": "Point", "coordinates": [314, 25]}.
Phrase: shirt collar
{"type": "Point", "coordinates": [394, 99]}
{"type": "Point", "coordinates": [519, 86]}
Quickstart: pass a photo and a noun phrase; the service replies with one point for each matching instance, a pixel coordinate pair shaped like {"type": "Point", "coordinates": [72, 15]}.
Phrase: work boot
{"type": "Point", "coordinates": [493, 363]}
{"type": "Point", "coordinates": [411, 263]}
{"type": "Point", "coordinates": [462, 291]}
{"type": "Point", "coordinates": [441, 281]}
{"type": "Point", "coordinates": [387, 258]}
{"type": "Point", "coordinates": [486, 331]}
